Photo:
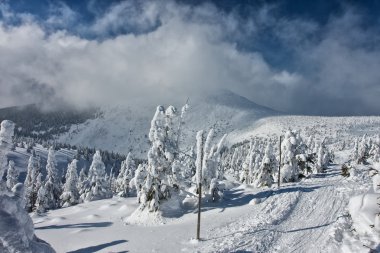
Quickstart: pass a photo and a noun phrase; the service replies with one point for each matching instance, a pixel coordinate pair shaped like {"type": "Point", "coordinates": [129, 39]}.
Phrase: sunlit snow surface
{"type": "Point", "coordinates": [309, 216]}
{"type": "Point", "coordinates": [299, 217]}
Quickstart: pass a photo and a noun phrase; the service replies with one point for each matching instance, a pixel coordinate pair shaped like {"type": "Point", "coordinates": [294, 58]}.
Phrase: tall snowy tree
{"type": "Point", "coordinates": [99, 186]}
{"type": "Point", "coordinates": [127, 172]}
{"type": "Point", "coordinates": [322, 158]}
{"type": "Point", "coordinates": [138, 182]}
{"type": "Point", "coordinates": [12, 175]}
{"type": "Point", "coordinates": [39, 195]}
{"type": "Point", "coordinates": [209, 164]}
{"type": "Point", "coordinates": [266, 169]}
{"type": "Point", "coordinates": [29, 184]}
{"type": "Point", "coordinates": [15, 224]}
{"type": "Point", "coordinates": [6, 134]}
{"type": "Point", "coordinates": [362, 150]}
{"type": "Point", "coordinates": [289, 170]}
{"type": "Point", "coordinates": [41, 201]}
{"type": "Point", "coordinates": [36, 182]}
{"type": "Point", "coordinates": [53, 186]}
{"type": "Point", "coordinates": [84, 185]}
{"type": "Point", "coordinates": [161, 155]}
{"type": "Point", "coordinates": [70, 195]}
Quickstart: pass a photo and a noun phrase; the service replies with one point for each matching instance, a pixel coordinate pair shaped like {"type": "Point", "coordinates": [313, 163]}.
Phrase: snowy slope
{"type": "Point", "coordinates": [333, 128]}
{"type": "Point", "coordinates": [21, 157]}
{"type": "Point", "coordinates": [124, 129]}
{"type": "Point", "coordinates": [296, 218]}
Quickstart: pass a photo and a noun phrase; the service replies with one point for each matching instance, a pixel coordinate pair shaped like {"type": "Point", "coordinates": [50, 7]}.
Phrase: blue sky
{"type": "Point", "coordinates": [308, 57]}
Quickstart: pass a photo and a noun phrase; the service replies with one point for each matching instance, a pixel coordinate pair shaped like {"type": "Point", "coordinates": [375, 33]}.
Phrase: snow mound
{"type": "Point", "coordinates": [145, 218]}
{"type": "Point", "coordinates": [255, 201]}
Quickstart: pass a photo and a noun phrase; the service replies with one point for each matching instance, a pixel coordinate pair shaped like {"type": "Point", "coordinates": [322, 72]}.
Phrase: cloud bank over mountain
{"type": "Point", "coordinates": [149, 52]}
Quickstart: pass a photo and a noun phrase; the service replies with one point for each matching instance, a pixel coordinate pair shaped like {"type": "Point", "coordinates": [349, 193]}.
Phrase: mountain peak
{"type": "Point", "coordinates": [228, 98]}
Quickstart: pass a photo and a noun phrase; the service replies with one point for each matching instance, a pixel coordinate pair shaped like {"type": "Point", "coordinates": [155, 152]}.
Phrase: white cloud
{"type": "Point", "coordinates": [190, 53]}
{"type": "Point", "coordinates": [176, 60]}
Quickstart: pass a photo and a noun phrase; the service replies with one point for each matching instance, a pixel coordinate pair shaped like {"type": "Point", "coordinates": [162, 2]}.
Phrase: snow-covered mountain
{"type": "Point", "coordinates": [126, 128]}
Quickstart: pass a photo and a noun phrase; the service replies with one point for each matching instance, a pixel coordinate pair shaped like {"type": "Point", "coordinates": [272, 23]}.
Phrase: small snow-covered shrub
{"type": "Point", "coordinates": [365, 213]}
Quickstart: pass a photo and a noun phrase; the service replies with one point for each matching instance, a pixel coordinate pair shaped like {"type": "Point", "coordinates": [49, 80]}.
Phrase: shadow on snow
{"type": "Point", "coordinates": [78, 225]}
{"type": "Point", "coordinates": [233, 198]}
{"type": "Point", "coordinates": [98, 247]}
{"type": "Point", "coordinates": [268, 230]}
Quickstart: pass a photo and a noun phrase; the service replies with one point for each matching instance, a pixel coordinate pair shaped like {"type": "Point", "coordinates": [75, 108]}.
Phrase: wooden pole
{"type": "Point", "coordinates": [200, 195]}
{"type": "Point", "coordinates": [199, 211]}
{"type": "Point", "coordinates": [279, 166]}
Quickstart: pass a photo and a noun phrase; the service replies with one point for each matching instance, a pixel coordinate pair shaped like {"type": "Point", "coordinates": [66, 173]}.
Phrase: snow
{"type": "Point", "coordinates": [298, 217]}
{"type": "Point", "coordinates": [123, 129]}
{"type": "Point", "coordinates": [324, 212]}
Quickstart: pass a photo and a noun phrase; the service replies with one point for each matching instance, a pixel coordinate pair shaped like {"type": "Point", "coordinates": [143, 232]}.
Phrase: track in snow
{"type": "Point", "coordinates": [294, 218]}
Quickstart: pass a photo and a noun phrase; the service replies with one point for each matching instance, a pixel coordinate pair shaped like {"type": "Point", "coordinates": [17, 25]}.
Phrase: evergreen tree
{"type": "Point", "coordinates": [99, 188]}
{"type": "Point", "coordinates": [210, 162]}
{"type": "Point", "coordinates": [12, 175]}
{"type": "Point", "coordinates": [125, 176]}
{"type": "Point", "coordinates": [362, 150]}
{"type": "Point", "coordinates": [28, 183]}
{"type": "Point", "coordinates": [6, 134]}
{"type": "Point", "coordinates": [289, 170]}
{"type": "Point", "coordinates": [265, 176]}
{"type": "Point", "coordinates": [41, 201]}
{"type": "Point", "coordinates": [70, 195]}
{"type": "Point", "coordinates": [84, 185]}
{"type": "Point", "coordinates": [322, 158]}
{"type": "Point", "coordinates": [39, 195]}
{"type": "Point", "coordinates": [53, 186]}
{"type": "Point", "coordinates": [138, 181]}
{"type": "Point", "coordinates": [161, 156]}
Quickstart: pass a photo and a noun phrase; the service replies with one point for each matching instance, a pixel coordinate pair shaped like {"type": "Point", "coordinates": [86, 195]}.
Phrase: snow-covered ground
{"type": "Point", "coordinates": [334, 128]}
{"type": "Point", "coordinates": [298, 217]}
{"type": "Point", "coordinates": [21, 157]}
{"type": "Point", "coordinates": [307, 216]}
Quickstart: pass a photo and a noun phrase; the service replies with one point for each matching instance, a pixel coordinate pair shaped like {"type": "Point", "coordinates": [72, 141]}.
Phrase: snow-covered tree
{"type": "Point", "coordinates": [16, 226]}
{"type": "Point", "coordinates": [53, 186]}
{"type": "Point", "coordinates": [127, 172]}
{"type": "Point", "coordinates": [138, 181]}
{"type": "Point", "coordinates": [33, 182]}
{"type": "Point", "coordinates": [266, 169]}
{"type": "Point", "coordinates": [40, 196]}
{"type": "Point", "coordinates": [322, 158]}
{"type": "Point", "coordinates": [12, 175]}
{"type": "Point", "coordinates": [207, 164]}
{"type": "Point", "coordinates": [6, 134]}
{"type": "Point", "coordinates": [84, 184]}
{"type": "Point", "coordinates": [70, 195]}
{"type": "Point", "coordinates": [355, 155]}
{"type": "Point", "coordinates": [100, 188]}
{"type": "Point", "coordinates": [247, 174]}
{"type": "Point", "coordinates": [161, 155]}
{"type": "Point", "coordinates": [362, 150]}
{"type": "Point", "coordinates": [41, 201]}
{"type": "Point", "coordinates": [289, 170]}
{"type": "Point", "coordinates": [375, 149]}
{"type": "Point", "coordinates": [29, 184]}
